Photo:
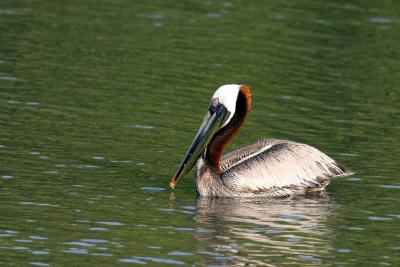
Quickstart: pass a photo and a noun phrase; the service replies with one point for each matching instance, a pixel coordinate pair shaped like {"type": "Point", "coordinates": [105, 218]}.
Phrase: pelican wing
{"type": "Point", "coordinates": [239, 155]}
{"type": "Point", "coordinates": [278, 165]}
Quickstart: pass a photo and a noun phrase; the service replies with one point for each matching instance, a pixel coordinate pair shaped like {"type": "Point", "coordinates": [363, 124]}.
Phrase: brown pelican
{"type": "Point", "coordinates": [266, 168]}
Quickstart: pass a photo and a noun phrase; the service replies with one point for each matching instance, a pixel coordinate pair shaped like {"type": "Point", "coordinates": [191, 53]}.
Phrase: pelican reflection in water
{"type": "Point", "coordinates": [266, 168]}
{"type": "Point", "coordinates": [246, 233]}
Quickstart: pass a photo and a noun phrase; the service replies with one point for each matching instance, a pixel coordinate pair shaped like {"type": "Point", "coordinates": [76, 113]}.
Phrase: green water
{"type": "Point", "coordinates": [99, 101]}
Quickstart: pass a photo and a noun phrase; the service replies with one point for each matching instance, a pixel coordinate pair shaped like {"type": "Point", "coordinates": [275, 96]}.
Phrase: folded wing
{"type": "Point", "coordinates": [280, 166]}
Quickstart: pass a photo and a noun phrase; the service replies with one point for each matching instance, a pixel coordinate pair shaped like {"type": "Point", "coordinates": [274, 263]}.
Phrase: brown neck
{"type": "Point", "coordinates": [221, 140]}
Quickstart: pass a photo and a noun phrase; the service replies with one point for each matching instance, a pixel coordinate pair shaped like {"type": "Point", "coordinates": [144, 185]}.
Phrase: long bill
{"type": "Point", "coordinates": [211, 125]}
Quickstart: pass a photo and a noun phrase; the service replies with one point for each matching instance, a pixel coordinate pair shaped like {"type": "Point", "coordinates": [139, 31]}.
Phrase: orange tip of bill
{"type": "Point", "coordinates": [172, 183]}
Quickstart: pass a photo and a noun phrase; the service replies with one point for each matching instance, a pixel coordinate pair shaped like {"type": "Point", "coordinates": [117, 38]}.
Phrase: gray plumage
{"type": "Point", "coordinates": [268, 168]}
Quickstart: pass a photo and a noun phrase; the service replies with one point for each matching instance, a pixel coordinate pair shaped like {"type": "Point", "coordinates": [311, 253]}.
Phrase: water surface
{"type": "Point", "coordinates": [99, 101]}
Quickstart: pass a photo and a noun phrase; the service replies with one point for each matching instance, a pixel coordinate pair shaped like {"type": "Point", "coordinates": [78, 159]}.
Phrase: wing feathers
{"type": "Point", "coordinates": [273, 164]}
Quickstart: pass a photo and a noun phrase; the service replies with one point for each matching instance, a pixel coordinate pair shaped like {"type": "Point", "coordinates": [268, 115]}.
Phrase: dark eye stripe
{"type": "Point", "coordinates": [212, 109]}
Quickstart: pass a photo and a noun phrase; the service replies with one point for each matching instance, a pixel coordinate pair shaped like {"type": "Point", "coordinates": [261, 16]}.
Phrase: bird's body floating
{"type": "Point", "coordinates": [266, 168]}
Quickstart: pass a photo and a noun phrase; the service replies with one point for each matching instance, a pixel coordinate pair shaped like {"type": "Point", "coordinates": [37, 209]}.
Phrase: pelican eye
{"type": "Point", "coordinates": [214, 105]}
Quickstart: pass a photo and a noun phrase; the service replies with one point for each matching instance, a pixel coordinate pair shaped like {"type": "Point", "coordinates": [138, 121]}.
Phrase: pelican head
{"type": "Point", "coordinates": [220, 113]}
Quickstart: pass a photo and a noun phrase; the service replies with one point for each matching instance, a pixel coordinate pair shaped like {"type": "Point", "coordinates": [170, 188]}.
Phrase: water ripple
{"type": "Point", "coordinates": [40, 252]}
{"type": "Point", "coordinates": [131, 260]}
{"type": "Point", "coordinates": [95, 240]}
{"type": "Point", "coordinates": [141, 260]}
{"type": "Point", "coordinates": [76, 251]}
{"type": "Point", "coordinates": [180, 253]}
{"type": "Point", "coordinates": [138, 126]}
{"type": "Point", "coordinates": [153, 188]}
{"type": "Point", "coordinates": [378, 218]}
{"type": "Point", "coordinates": [110, 223]}
{"type": "Point", "coordinates": [38, 204]}
{"type": "Point", "coordinates": [37, 263]}
{"type": "Point", "coordinates": [391, 186]}
{"type": "Point", "coordinates": [98, 229]}
{"type": "Point", "coordinates": [23, 240]}
{"type": "Point", "coordinates": [7, 12]}
{"type": "Point", "coordinates": [82, 244]}
{"type": "Point", "coordinates": [102, 254]}
{"type": "Point", "coordinates": [380, 20]}
{"type": "Point", "coordinates": [15, 248]}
